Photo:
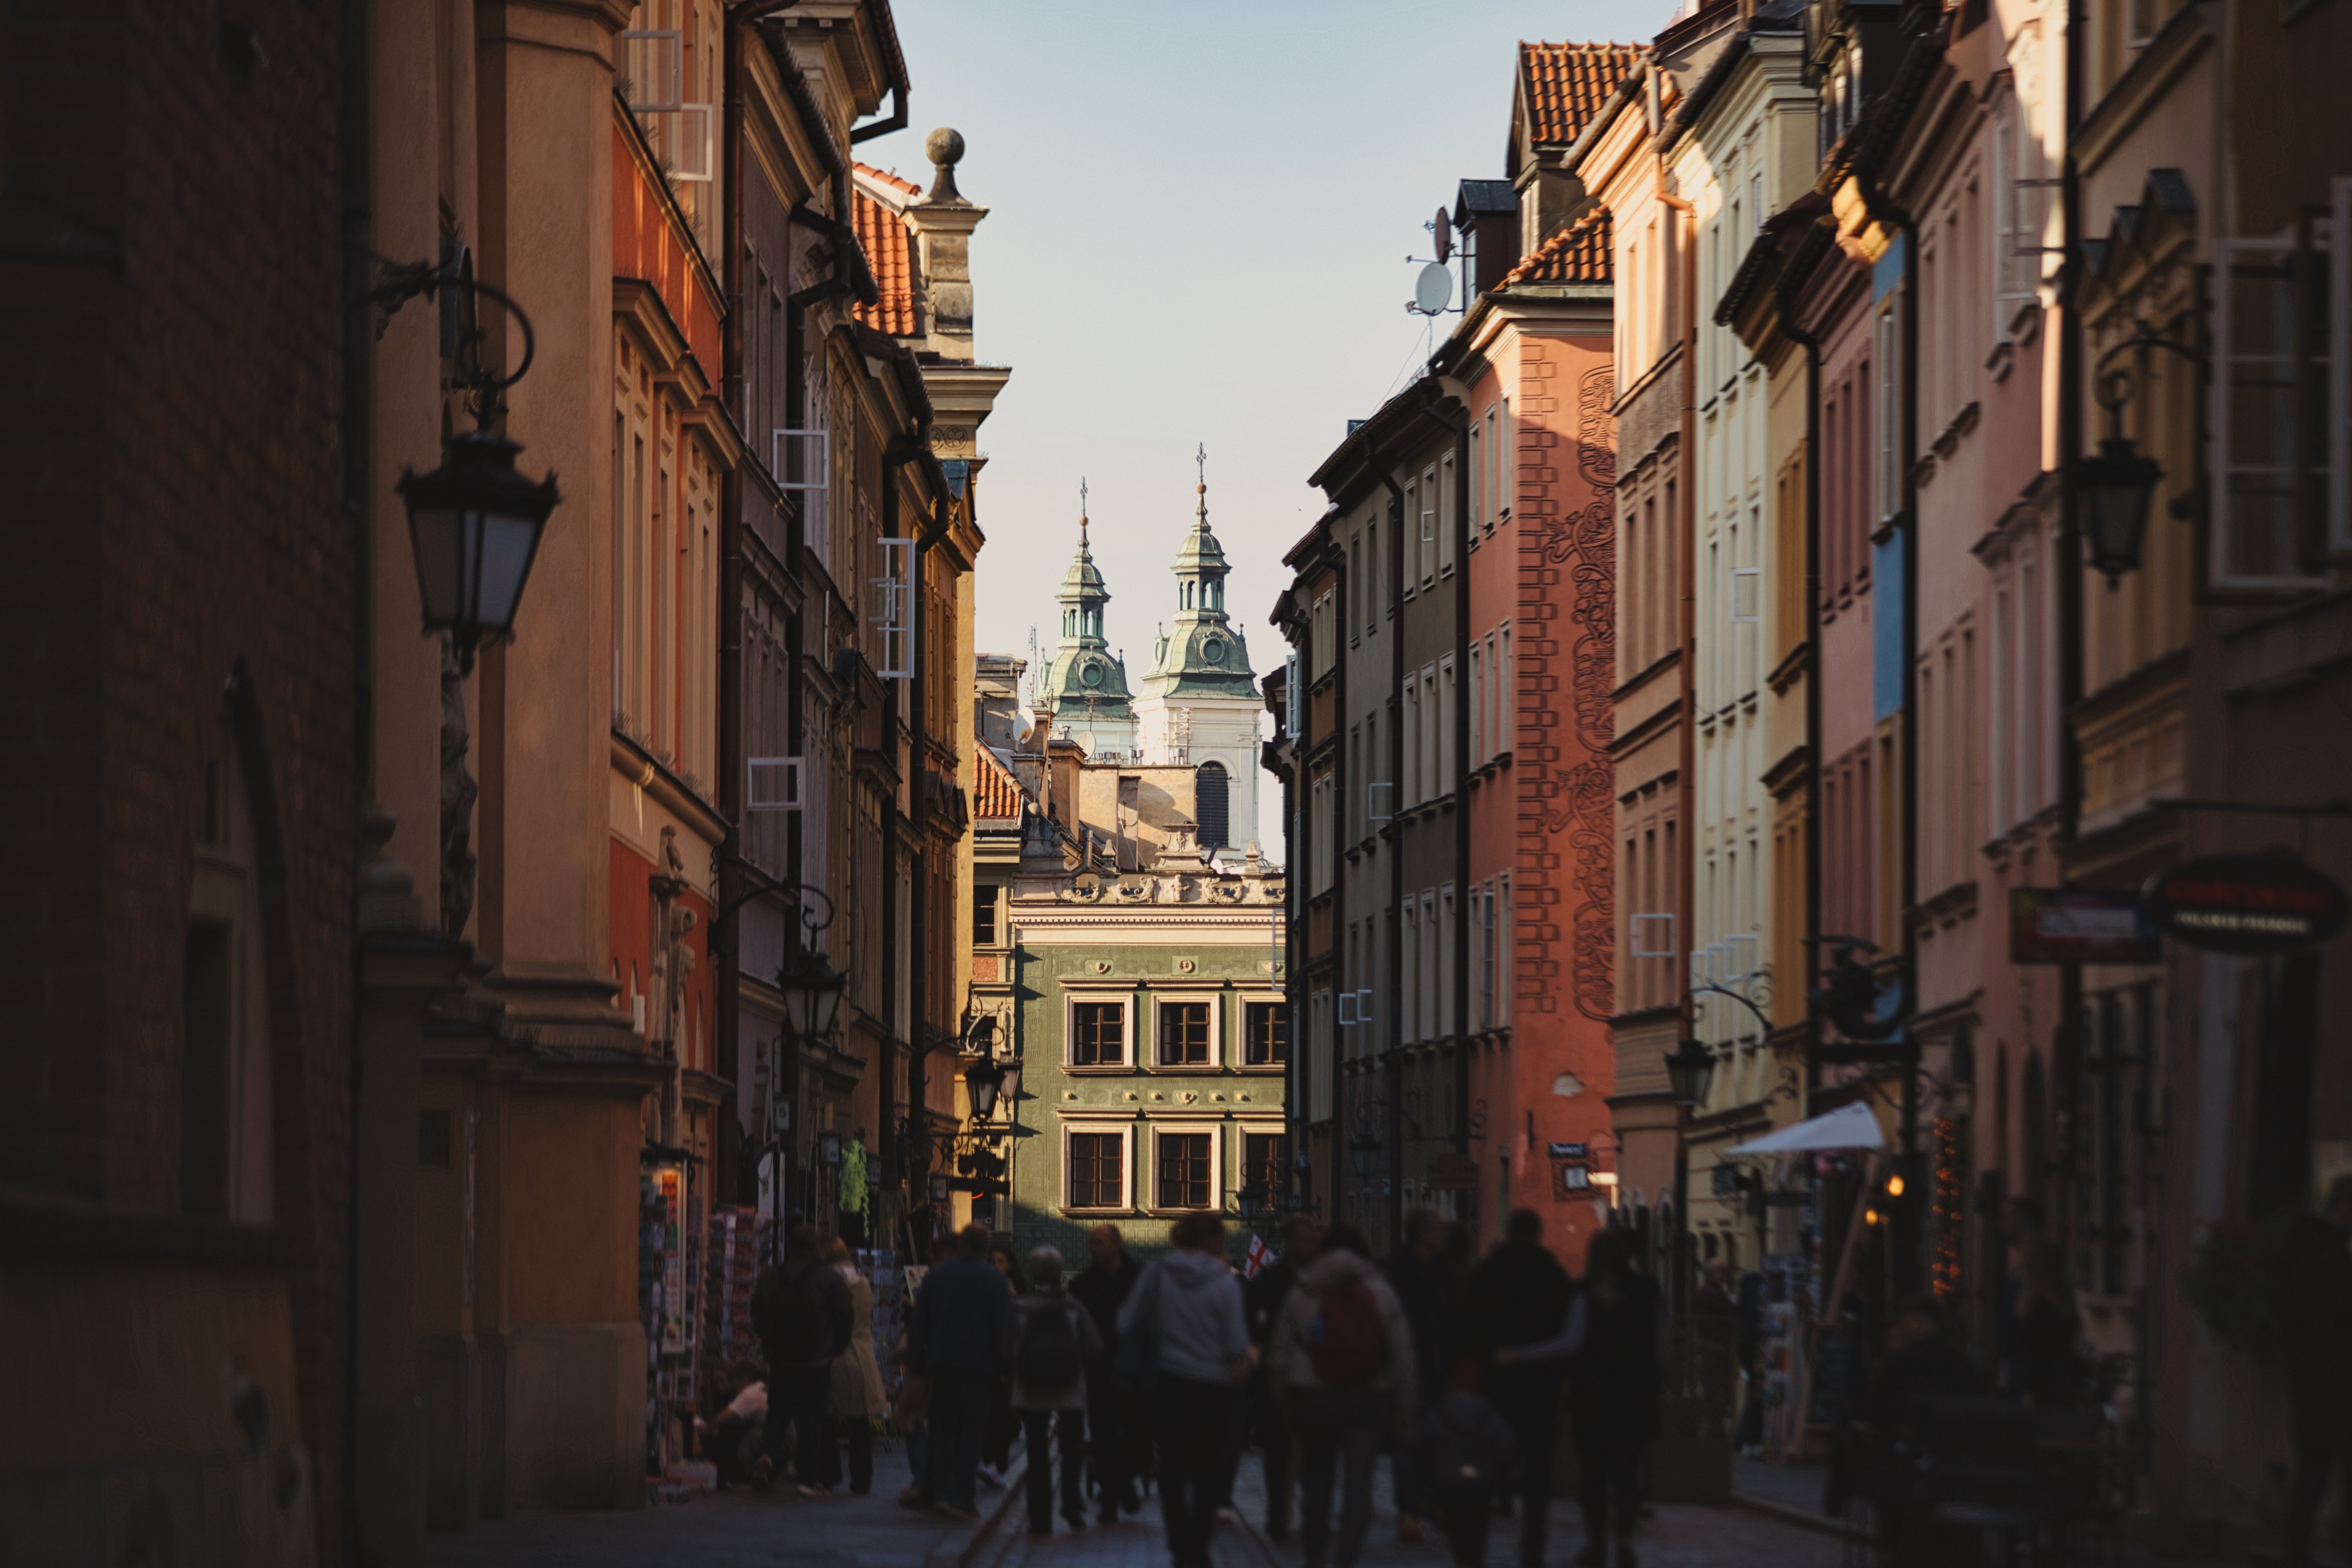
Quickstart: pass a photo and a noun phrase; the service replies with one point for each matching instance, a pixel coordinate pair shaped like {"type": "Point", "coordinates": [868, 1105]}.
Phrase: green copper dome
{"type": "Point", "coordinates": [1202, 653]}
{"type": "Point", "coordinates": [1084, 680]}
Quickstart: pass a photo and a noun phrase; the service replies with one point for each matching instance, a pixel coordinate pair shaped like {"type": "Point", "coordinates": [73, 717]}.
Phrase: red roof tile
{"type": "Point", "coordinates": [882, 234]}
{"type": "Point", "coordinates": [884, 176]}
{"type": "Point", "coordinates": [1566, 84]}
{"type": "Point", "coordinates": [1581, 253]}
{"type": "Point", "coordinates": [997, 795]}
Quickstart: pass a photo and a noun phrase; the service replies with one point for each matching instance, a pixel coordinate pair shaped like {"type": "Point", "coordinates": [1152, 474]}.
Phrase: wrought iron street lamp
{"type": "Point", "coordinates": [938, 1186]}
{"type": "Point", "coordinates": [812, 990]}
{"type": "Point", "coordinates": [474, 524]}
{"type": "Point", "coordinates": [1691, 1071]}
{"type": "Point", "coordinates": [1248, 1201]}
{"type": "Point", "coordinates": [2116, 488]}
{"type": "Point", "coordinates": [1364, 1149]}
{"type": "Point", "coordinates": [982, 1080]}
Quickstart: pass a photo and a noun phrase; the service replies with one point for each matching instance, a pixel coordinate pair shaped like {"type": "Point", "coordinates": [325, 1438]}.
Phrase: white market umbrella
{"type": "Point", "coordinates": [1847, 1127]}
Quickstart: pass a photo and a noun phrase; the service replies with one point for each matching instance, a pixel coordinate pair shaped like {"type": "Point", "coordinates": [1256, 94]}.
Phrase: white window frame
{"type": "Point", "coordinates": [1886, 411]}
{"type": "Point", "coordinates": [1380, 801]}
{"type": "Point", "coordinates": [1217, 1155]}
{"type": "Point", "coordinates": [653, 40]}
{"type": "Point", "coordinates": [1294, 724]}
{"type": "Point", "coordinates": [1449, 766]}
{"type": "Point", "coordinates": [1164, 995]}
{"type": "Point", "coordinates": [1123, 995]}
{"type": "Point", "coordinates": [1347, 1019]}
{"type": "Point", "coordinates": [1753, 578]}
{"type": "Point", "coordinates": [694, 158]}
{"type": "Point", "coordinates": [1503, 940]}
{"type": "Point", "coordinates": [818, 462]}
{"type": "Point", "coordinates": [1123, 1127]}
{"type": "Point", "coordinates": [781, 779]}
{"type": "Point", "coordinates": [1445, 514]}
{"type": "Point", "coordinates": [1634, 928]}
{"type": "Point", "coordinates": [894, 593]}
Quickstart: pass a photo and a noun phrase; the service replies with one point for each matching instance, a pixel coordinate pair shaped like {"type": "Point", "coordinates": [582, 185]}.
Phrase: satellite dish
{"type": "Point", "coordinates": [1433, 289]}
{"type": "Point", "coordinates": [1444, 229]}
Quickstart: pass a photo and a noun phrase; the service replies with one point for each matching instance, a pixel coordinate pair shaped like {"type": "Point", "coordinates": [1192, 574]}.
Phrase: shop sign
{"type": "Point", "coordinates": [1570, 1151]}
{"type": "Point", "coordinates": [2252, 905]}
{"type": "Point", "coordinates": [2079, 925]}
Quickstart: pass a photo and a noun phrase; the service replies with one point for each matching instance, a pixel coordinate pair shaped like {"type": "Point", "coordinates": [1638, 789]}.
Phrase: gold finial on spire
{"type": "Point", "coordinates": [1082, 507]}
{"type": "Point", "coordinates": [1201, 459]}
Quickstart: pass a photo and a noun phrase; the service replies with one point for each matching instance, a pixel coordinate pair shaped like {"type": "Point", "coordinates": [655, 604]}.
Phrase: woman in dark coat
{"type": "Point", "coordinates": [1611, 1346]}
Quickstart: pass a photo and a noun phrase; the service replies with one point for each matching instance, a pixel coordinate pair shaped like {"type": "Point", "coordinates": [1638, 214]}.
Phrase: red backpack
{"type": "Point", "coordinates": [1347, 1341]}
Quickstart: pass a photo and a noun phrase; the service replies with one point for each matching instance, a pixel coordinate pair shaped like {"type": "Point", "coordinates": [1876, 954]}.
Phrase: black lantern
{"type": "Point", "coordinates": [474, 524]}
{"type": "Point", "coordinates": [982, 1080]}
{"type": "Point", "coordinates": [828, 1148]}
{"type": "Point", "coordinates": [2116, 486]}
{"type": "Point", "coordinates": [1008, 1080]}
{"type": "Point", "coordinates": [1365, 1149]}
{"type": "Point", "coordinates": [1248, 1201]}
{"type": "Point", "coordinates": [812, 990]}
{"type": "Point", "coordinates": [1691, 1070]}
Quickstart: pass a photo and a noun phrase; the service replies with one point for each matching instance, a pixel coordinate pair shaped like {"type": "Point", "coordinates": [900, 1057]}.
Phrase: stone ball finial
{"type": "Point", "coordinates": [944, 146]}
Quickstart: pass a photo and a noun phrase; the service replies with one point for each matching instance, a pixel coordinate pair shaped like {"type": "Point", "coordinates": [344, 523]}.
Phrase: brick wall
{"type": "Point", "coordinates": [170, 300]}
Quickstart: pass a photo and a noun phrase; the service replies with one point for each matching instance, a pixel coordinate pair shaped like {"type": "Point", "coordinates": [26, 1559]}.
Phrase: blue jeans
{"type": "Point", "coordinates": [961, 1404]}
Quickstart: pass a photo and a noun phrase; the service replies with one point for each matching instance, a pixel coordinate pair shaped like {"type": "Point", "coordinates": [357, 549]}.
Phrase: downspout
{"type": "Point", "coordinates": [1812, 347]}
{"type": "Point", "coordinates": [1392, 1059]}
{"type": "Point", "coordinates": [1339, 711]}
{"type": "Point", "coordinates": [1461, 781]}
{"type": "Point", "coordinates": [2070, 567]}
{"type": "Point", "coordinates": [356, 132]}
{"type": "Point", "coordinates": [918, 773]}
{"type": "Point", "coordinates": [1886, 210]}
{"type": "Point", "coordinates": [1687, 734]}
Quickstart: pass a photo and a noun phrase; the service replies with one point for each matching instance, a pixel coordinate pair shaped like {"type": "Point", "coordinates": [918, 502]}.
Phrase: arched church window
{"type": "Point", "coordinates": [1209, 804]}
{"type": "Point", "coordinates": [226, 1121]}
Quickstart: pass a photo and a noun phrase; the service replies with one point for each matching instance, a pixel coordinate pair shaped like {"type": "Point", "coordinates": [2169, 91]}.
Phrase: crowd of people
{"type": "Point", "coordinates": [1131, 1375]}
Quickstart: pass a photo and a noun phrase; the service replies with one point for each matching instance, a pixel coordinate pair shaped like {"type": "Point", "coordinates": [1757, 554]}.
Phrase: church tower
{"type": "Point", "coordinates": [1083, 684]}
{"type": "Point", "coordinates": [1200, 705]}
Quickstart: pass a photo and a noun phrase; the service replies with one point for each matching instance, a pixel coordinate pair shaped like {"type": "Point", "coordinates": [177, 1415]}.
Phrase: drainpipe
{"type": "Point", "coordinates": [1687, 760]}
{"type": "Point", "coordinates": [2060, 1205]}
{"type": "Point", "coordinates": [1886, 210]}
{"type": "Point", "coordinates": [1812, 347]}
{"type": "Point", "coordinates": [918, 773]}
{"type": "Point", "coordinates": [1461, 782]}
{"type": "Point", "coordinates": [1339, 710]}
{"type": "Point", "coordinates": [1393, 1059]}
{"type": "Point", "coordinates": [357, 133]}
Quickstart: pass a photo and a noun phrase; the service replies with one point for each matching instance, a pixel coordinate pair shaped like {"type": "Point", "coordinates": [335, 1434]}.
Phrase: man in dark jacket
{"type": "Point", "coordinates": [801, 1311]}
{"type": "Point", "coordinates": [1103, 1289]}
{"type": "Point", "coordinates": [1519, 1296]}
{"type": "Point", "coordinates": [2316, 1308]}
{"type": "Point", "coordinates": [961, 1327]}
{"type": "Point", "coordinates": [1424, 1281]}
{"type": "Point", "coordinates": [1262, 1300]}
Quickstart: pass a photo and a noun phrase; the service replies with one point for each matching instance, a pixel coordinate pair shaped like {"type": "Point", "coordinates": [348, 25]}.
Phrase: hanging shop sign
{"type": "Point", "coordinates": [2080, 925]}
{"type": "Point", "coordinates": [1574, 1179]}
{"type": "Point", "coordinates": [2252, 905]}
{"type": "Point", "coordinates": [1570, 1151]}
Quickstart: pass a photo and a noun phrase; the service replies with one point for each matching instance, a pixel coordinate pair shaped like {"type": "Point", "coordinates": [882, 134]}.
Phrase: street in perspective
{"type": "Point", "coordinates": [1707, 930]}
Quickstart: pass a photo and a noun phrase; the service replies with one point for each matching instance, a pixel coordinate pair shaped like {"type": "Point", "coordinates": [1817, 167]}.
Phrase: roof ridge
{"type": "Point", "coordinates": [887, 177]}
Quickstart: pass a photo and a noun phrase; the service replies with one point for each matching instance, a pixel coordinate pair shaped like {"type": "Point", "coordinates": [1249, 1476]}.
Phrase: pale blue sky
{"type": "Point", "coordinates": [1199, 219]}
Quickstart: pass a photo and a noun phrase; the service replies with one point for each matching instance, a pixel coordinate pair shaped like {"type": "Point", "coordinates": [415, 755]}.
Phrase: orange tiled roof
{"type": "Point", "coordinates": [1566, 84]}
{"type": "Point", "coordinates": [884, 176]}
{"type": "Point", "coordinates": [1577, 254]}
{"type": "Point", "coordinates": [882, 234]}
{"type": "Point", "coordinates": [998, 796]}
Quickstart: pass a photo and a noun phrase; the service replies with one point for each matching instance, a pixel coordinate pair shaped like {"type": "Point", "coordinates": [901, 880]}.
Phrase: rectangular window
{"type": "Point", "coordinates": [1449, 763]}
{"type": "Point", "coordinates": [1482, 901]}
{"type": "Point", "coordinates": [1265, 1039]}
{"type": "Point", "coordinates": [1445, 521]}
{"type": "Point", "coordinates": [2272, 433]}
{"type": "Point", "coordinates": [1477, 704]}
{"type": "Point", "coordinates": [983, 914]}
{"type": "Point", "coordinates": [1097, 1171]}
{"type": "Point", "coordinates": [1266, 1162]}
{"type": "Point", "coordinates": [1098, 1034]}
{"type": "Point", "coordinates": [1478, 475]}
{"type": "Point", "coordinates": [1504, 731]}
{"type": "Point", "coordinates": [1887, 353]}
{"type": "Point", "coordinates": [1184, 1033]}
{"type": "Point", "coordinates": [1184, 1175]}
{"type": "Point", "coordinates": [1508, 475]}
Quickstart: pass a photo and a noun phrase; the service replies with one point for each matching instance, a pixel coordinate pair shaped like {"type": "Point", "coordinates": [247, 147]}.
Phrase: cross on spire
{"type": "Point", "coordinates": [1082, 508]}
{"type": "Point", "coordinates": [1201, 459]}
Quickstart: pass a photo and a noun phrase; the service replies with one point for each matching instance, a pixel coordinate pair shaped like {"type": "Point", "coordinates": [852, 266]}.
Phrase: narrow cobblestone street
{"type": "Point", "coordinates": [778, 1527]}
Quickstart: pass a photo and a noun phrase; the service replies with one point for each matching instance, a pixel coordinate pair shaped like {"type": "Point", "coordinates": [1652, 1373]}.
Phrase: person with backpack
{"type": "Point", "coordinates": [1519, 1296]}
{"type": "Point", "coordinates": [801, 1310]}
{"type": "Point", "coordinates": [1463, 1452]}
{"type": "Point", "coordinates": [1183, 1351]}
{"type": "Point", "coordinates": [1053, 1344]}
{"type": "Point", "coordinates": [1343, 1358]}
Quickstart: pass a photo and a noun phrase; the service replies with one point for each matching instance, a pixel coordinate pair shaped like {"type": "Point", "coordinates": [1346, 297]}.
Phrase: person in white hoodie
{"type": "Point", "coordinates": [1185, 1346]}
{"type": "Point", "coordinates": [1342, 1356]}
